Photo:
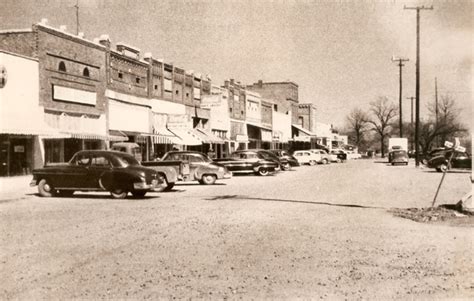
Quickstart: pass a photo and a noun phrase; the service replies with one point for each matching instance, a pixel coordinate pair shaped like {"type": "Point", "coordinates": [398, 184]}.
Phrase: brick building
{"type": "Point", "coordinates": [71, 87]}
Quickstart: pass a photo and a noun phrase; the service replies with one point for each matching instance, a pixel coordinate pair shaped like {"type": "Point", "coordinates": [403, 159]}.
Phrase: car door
{"type": "Point", "coordinates": [99, 165]}
{"type": "Point", "coordinates": [75, 173]}
{"type": "Point", "coordinates": [196, 165]}
{"type": "Point", "coordinates": [461, 160]}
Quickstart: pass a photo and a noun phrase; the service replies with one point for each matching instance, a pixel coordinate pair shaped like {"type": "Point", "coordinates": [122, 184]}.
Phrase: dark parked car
{"type": "Point", "coordinates": [398, 156]}
{"type": "Point", "coordinates": [460, 160]}
{"type": "Point", "coordinates": [341, 155]}
{"type": "Point", "coordinates": [433, 153]}
{"type": "Point", "coordinates": [285, 155]}
{"type": "Point", "coordinates": [201, 167]}
{"type": "Point", "coordinates": [283, 162]}
{"type": "Point", "coordinates": [97, 170]}
{"type": "Point", "coordinates": [250, 161]}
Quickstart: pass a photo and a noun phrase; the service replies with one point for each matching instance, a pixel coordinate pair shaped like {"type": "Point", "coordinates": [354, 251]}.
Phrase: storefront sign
{"type": "Point", "coordinates": [19, 148]}
{"type": "Point", "coordinates": [74, 95]}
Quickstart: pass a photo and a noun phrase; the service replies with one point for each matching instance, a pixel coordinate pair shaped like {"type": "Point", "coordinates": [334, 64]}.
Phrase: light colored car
{"type": "Point", "coordinates": [325, 158]}
{"type": "Point", "coordinates": [306, 157]}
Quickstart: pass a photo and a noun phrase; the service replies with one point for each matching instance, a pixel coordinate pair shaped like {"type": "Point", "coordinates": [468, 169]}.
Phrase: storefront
{"type": "Point", "coordinates": [238, 135]}
{"type": "Point", "coordinates": [22, 125]}
{"type": "Point", "coordinates": [133, 121]}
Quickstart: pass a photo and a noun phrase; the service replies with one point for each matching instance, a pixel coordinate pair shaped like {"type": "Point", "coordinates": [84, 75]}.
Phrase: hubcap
{"type": "Point", "coordinates": [47, 187]}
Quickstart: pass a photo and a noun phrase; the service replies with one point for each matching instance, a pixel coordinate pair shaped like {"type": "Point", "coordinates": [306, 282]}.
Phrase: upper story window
{"type": "Point", "coordinates": [301, 121]}
{"type": "Point", "coordinates": [85, 72]}
{"type": "Point", "coordinates": [62, 66]}
{"type": "Point", "coordinates": [275, 108]}
{"type": "Point", "coordinates": [137, 80]}
{"type": "Point", "coordinates": [120, 75]}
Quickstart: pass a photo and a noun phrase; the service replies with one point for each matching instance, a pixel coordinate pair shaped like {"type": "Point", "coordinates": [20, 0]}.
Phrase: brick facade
{"type": "Point", "coordinates": [284, 94]}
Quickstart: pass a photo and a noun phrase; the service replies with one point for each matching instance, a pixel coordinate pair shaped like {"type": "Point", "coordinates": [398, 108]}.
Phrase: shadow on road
{"type": "Point", "coordinates": [242, 197]}
{"type": "Point", "coordinates": [449, 171]}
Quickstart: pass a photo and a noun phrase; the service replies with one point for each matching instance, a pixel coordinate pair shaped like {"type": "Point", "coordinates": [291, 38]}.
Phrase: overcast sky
{"type": "Point", "coordinates": [338, 52]}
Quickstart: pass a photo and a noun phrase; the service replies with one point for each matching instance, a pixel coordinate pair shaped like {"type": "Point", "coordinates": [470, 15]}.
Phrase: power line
{"type": "Point", "coordinates": [77, 16]}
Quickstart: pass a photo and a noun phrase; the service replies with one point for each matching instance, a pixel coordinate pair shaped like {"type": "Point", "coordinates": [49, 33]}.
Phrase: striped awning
{"type": "Point", "coordinates": [164, 136]}
{"type": "Point", "coordinates": [208, 137]}
{"type": "Point", "coordinates": [186, 136]}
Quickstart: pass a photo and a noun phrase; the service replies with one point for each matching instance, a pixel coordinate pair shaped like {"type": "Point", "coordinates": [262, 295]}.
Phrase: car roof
{"type": "Point", "coordinates": [185, 152]}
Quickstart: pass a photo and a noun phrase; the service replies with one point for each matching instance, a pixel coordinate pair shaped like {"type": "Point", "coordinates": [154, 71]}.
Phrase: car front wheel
{"type": "Point", "coordinates": [312, 162]}
{"type": "Point", "coordinates": [208, 179]}
{"type": "Point", "coordinates": [263, 171]}
{"type": "Point", "coordinates": [45, 189]}
{"type": "Point", "coordinates": [443, 168]}
{"type": "Point", "coordinates": [118, 193]}
{"type": "Point", "coordinates": [286, 166]}
{"type": "Point", "coordinates": [325, 161]}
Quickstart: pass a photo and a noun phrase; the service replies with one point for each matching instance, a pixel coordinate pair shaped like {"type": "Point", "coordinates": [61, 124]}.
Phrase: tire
{"type": "Point", "coordinates": [263, 172]}
{"type": "Point", "coordinates": [45, 189]}
{"type": "Point", "coordinates": [208, 179]}
{"type": "Point", "coordinates": [338, 160]}
{"type": "Point", "coordinates": [393, 164]}
{"type": "Point", "coordinates": [118, 193]}
{"type": "Point", "coordinates": [139, 193]}
{"type": "Point", "coordinates": [65, 193]}
{"type": "Point", "coordinates": [312, 162]}
{"type": "Point", "coordinates": [286, 167]}
{"type": "Point", "coordinates": [162, 186]}
{"type": "Point", "coordinates": [325, 161]}
{"type": "Point", "coordinates": [169, 187]}
{"type": "Point", "coordinates": [443, 168]}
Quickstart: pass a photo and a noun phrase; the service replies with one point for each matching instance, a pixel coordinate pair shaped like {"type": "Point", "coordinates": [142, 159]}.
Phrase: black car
{"type": "Point", "coordinates": [283, 154]}
{"type": "Point", "coordinates": [283, 162]}
{"type": "Point", "coordinates": [460, 160]}
{"type": "Point", "coordinates": [97, 170]}
{"type": "Point", "coordinates": [249, 161]}
{"type": "Point", "coordinates": [341, 155]}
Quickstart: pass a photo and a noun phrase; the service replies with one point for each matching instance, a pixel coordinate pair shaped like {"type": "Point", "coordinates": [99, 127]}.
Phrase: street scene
{"type": "Point", "coordinates": [236, 150]}
{"type": "Point", "coordinates": [323, 231]}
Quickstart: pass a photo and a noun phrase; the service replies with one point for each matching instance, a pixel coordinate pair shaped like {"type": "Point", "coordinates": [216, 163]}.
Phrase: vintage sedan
{"type": "Point", "coordinates": [398, 156]}
{"type": "Point", "coordinates": [459, 160]}
{"type": "Point", "coordinates": [285, 155]}
{"type": "Point", "coordinates": [250, 161]}
{"type": "Point", "coordinates": [201, 167]}
{"type": "Point", "coordinates": [268, 155]}
{"type": "Point", "coordinates": [307, 157]}
{"type": "Point", "coordinates": [341, 156]}
{"type": "Point", "coordinates": [96, 170]}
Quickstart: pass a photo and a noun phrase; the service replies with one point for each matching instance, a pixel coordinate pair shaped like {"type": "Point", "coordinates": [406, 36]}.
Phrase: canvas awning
{"type": "Point", "coordinates": [208, 137]}
{"type": "Point", "coordinates": [186, 136]}
{"type": "Point", "coordinates": [115, 135]}
{"type": "Point", "coordinates": [303, 130]}
{"type": "Point", "coordinates": [164, 136]}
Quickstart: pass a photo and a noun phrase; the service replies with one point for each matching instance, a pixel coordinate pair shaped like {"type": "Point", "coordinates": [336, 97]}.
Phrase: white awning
{"type": "Point", "coordinates": [186, 136]}
{"type": "Point", "coordinates": [164, 136]}
{"type": "Point", "coordinates": [303, 130]}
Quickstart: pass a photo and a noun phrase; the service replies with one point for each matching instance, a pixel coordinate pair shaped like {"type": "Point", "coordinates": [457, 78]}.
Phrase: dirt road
{"type": "Point", "coordinates": [314, 232]}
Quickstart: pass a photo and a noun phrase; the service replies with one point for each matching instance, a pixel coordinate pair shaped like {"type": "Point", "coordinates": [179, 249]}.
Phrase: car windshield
{"type": "Point", "coordinates": [246, 155]}
{"type": "Point", "coordinates": [126, 160]}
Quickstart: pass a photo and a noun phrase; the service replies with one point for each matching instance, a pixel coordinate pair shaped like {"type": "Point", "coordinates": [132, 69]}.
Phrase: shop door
{"type": "Point", "coordinates": [4, 158]}
{"type": "Point", "coordinates": [18, 162]}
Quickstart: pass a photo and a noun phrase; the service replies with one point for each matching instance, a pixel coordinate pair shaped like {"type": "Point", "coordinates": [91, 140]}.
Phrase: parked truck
{"type": "Point", "coordinates": [174, 171]}
{"type": "Point", "coordinates": [398, 150]}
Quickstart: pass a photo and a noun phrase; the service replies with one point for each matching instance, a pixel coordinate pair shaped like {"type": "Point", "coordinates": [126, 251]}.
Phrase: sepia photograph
{"type": "Point", "coordinates": [236, 149]}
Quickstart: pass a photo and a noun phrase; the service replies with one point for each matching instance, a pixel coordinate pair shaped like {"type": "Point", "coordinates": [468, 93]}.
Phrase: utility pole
{"type": "Point", "coordinates": [417, 117]}
{"type": "Point", "coordinates": [77, 16]}
{"type": "Point", "coordinates": [436, 108]}
{"type": "Point", "coordinates": [400, 64]}
{"type": "Point", "coordinates": [411, 120]}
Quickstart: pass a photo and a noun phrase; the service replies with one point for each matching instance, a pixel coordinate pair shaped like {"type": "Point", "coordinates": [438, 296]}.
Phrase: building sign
{"type": "Point", "coordinates": [74, 95]}
{"type": "Point", "coordinates": [210, 101]}
{"type": "Point", "coordinates": [19, 148]}
{"type": "Point", "coordinates": [3, 76]}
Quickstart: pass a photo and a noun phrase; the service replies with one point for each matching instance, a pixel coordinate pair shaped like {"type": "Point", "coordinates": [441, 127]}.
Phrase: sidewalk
{"type": "Point", "coordinates": [15, 187]}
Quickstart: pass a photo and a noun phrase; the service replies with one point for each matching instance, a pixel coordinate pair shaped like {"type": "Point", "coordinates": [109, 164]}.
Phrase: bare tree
{"type": "Point", "coordinates": [383, 113]}
{"type": "Point", "coordinates": [357, 125]}
{"type": "Point", "coordinates": [445, 127]}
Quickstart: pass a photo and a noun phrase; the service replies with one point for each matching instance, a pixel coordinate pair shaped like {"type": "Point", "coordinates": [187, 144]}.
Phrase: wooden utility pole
{"type": "Point", "coordinates": [400, 64]}
{"type": "Point", "coordinates": [77, 16]}
{"type": "Point", "coordinates": [417, 115]}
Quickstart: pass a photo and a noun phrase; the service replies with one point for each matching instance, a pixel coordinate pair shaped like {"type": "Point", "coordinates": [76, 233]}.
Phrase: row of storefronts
{"type": "Point", "coordinates": [59, 97]}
